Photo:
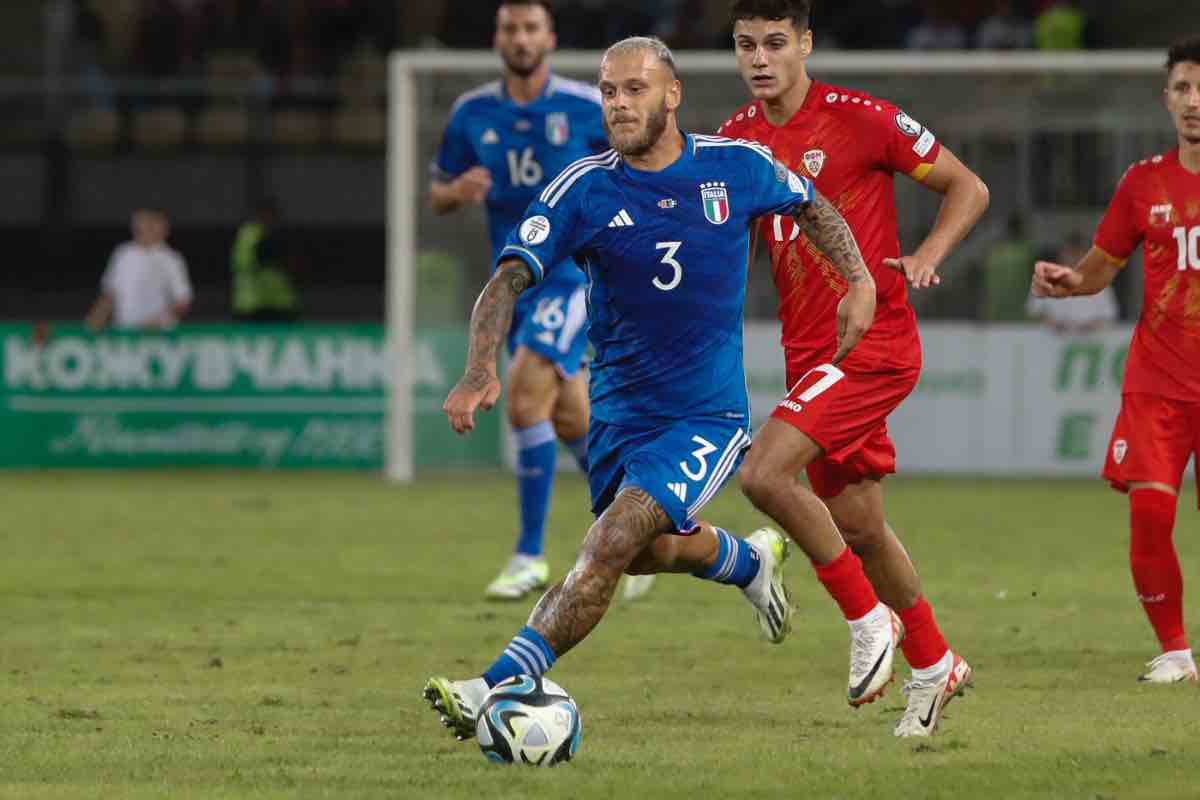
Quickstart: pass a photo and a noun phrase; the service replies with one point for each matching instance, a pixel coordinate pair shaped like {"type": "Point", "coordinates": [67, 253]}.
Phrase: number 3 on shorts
{"type": "Point", "coordinates": [699, 454]}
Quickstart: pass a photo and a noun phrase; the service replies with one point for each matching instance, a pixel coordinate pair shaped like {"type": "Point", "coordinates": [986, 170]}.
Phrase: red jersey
{"type": "Point", "coordinates": [1158, 203]}
{"type": "Point", "coordinates": [850, 144]}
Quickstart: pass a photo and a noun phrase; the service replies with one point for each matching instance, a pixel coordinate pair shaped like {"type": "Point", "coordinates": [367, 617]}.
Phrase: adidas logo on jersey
{"type": "Point", "coordinates": [621, 220]}
{"type": "Point", "coordinates": [489, 137]}
{"type": "Point", "coordinates": [679, 490]}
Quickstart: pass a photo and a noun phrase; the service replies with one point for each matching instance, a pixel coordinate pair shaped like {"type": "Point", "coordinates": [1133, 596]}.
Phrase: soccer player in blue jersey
{"type": "Point", "coordinates": [503, 143]}
{"type": "Point", "coordinates": [660, 224]}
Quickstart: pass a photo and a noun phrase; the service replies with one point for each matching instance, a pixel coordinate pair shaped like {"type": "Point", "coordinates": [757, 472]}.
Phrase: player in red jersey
{"type": "Point", "coordinates": [832, 423]}
{"type": "Point", "coordinates": [1157, 203]}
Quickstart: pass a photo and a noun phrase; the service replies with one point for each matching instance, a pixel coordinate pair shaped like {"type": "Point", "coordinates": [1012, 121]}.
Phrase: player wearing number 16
{"type": "Point", "coordinates": [661, 226]}
{"type": "Point", "coordinates": [1158, 429]}
{"type": "Point", "coordinates": [504, 142]}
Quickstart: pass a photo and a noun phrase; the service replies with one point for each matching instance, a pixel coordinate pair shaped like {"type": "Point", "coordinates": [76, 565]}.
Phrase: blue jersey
{"type": "Point", "coordinates": [523, 146]}
{"type": "Point", "coordinates": [666, 255]}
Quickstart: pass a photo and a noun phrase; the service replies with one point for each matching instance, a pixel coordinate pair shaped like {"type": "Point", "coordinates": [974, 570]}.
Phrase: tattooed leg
{"type": "Point", "coordinates": [575, 605]}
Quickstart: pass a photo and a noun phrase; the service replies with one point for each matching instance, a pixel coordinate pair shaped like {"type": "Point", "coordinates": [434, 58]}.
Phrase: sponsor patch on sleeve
{"type": "Point", "coordinates": [535, 230]}
{"type": "Point", "coordinates": [925, 143]}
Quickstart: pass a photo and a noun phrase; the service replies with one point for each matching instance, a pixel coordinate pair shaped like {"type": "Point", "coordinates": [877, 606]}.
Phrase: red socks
{"type": "Point", "coordinates": [923, 644]}
{"type": "Point", "coordinates": [845, 581]}
{"type": "Point", "coordinates": [847, 584]}
{"type": "Point", "coordinates": [1155, 566]}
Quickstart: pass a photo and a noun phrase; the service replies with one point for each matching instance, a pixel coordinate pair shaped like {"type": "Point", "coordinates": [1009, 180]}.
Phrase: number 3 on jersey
{"type": "Point", "coordinates": [1188, 240]}
{"type": "Point", "coordinates": [523, 170]}
{"type": "Point", "coordinates": [669, 260]}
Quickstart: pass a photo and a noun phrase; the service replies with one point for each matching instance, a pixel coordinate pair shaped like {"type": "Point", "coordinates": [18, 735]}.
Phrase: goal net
{"type": "Point", "coordinates": [1049, 133]}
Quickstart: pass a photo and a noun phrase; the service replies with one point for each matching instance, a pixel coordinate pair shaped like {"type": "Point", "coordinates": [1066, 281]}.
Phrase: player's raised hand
{"type": "Point", "coordinates": [1055, 280]}
{"type": "Point", "coordinates": [855, 313]}
{"type": "Point", "coordinates": [477, 389]}
{"type": "Point", "coordinates": [473, 185]}
{"type": "Point", "coordinates": [920, 274]}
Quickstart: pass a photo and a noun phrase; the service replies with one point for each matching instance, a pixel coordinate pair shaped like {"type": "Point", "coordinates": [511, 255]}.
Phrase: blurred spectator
{"type": "Point", "coordinates": [1005, 29]}
{"type": "Point", "coordinates": [882, 25]}
{"type": "Point", "coordinates": [1073, 316]}
{"type": "Point", "coordinates": [224, 25]}
{"type": "Point", "coordinates": [76, 49]}
{"type": "Point", "coordinates": [262, 290]}
{"type": "Point", "coordinates": [339, 26]}
{"type": "Point", "coordinates": [1061, 26]}
{"type": "Point", "coordinates": [1006, 273]}
{"type": "Point", "coordinates": [160, 51]}
{"type": "Point", "coordinates": [145, 286]}
{"type": "Point", "coordinates": [939, 30]}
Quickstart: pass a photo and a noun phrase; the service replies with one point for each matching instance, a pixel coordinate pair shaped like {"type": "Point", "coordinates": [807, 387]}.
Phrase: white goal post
{"type": "Point", "coordinates": [407, 173]}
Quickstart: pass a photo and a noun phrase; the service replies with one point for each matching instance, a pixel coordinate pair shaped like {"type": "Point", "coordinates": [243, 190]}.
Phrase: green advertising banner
{"type": "Point", "coordinates": [221, 395]}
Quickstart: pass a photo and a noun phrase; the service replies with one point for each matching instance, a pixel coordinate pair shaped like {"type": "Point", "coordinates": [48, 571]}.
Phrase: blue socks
{"type": "Point", "coordinates": [527, 654]}
{"type": "Point", "coordinates": [536, 454]}
{"type": "Point", "coordinates": [579, 449]}
{"type": "Point", "coordinates": [737, 562]}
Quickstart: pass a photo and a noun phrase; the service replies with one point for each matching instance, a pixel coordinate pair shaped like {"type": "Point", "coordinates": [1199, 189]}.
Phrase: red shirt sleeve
{"type": "Point", "coordinates": [908, 146]}
{"type": "Point", "coordinates": [1119, 233]}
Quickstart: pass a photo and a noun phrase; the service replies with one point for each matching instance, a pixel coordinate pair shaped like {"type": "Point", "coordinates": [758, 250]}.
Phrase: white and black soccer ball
{"type": "Point", "coordinates": [528, 720]}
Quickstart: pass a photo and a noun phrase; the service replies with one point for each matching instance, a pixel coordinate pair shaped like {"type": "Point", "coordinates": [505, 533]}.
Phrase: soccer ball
{"type": "Point", "coordinates": [528, 720]}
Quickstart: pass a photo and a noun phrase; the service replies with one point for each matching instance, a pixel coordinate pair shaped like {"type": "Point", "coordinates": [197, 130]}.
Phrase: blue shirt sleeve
{"type": "Point", "coordinates": [456, 155]}
{"type": "Point", "coordinates": [549, 234]}
{"type": "Point", "coordinates": [777, 189]}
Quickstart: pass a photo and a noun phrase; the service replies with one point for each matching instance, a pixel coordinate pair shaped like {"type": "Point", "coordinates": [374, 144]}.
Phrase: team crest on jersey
{"type": "Point", "coordinates": [907, 125]}
{"type": "Point", "coordinates": [1120, 447]}
{"type": "Point", "coordinates": [1161, 214]}
{"type": "Point", "coordinates": [558, 130]}
{"type": "Point", "coordinates": [715, 198]}
{"type": "Point", "coordinates": [813, 161]}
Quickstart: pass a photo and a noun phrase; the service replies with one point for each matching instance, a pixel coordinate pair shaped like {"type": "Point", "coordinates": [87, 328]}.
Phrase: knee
{"type": "Point", "coordinates": [605, 553]}
{"type": "Point", "coordinates": [525, 408]}
{"type": "Point", "coordinates": [569, 425]}
{"type": "Point", "coordinates": [1152, 510]}
{"type": "Point", "coordinates": [760, 484]}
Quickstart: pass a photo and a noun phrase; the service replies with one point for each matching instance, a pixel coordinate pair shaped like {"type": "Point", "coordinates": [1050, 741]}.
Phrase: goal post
{"type": "Point", "coordinates": [976, 101]}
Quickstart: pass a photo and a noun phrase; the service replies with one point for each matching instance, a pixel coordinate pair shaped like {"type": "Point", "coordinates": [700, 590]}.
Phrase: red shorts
{"type": "Point", "coordinates": [846, 414]}
{"type": "Point", "coordinates": [1152, 441]}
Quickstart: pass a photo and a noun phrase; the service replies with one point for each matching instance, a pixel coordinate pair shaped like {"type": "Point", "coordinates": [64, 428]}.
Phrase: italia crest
{"type": "Point", "coordinates": [813, 161]}
{"type": "Point", "coordinates": [558, 129]}
{"type": "Point", "coordinates": [715, 199]}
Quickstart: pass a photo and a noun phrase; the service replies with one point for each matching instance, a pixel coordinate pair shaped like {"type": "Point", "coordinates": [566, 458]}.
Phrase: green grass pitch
{"type": "Point", "coordinates": [249, 635]}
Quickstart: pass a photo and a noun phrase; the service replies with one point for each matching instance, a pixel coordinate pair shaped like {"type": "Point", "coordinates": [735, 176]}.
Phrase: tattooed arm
{"type": "Point", "coordinates": [479, 387]}
{"type": "Point", "coordinates": [827, 229]}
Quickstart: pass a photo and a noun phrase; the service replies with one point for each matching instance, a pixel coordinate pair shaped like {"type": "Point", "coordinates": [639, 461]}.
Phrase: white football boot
{"type": "Point", "coordinates": [927, 699]}
{"type": "Point", "coordinates": [458, 702]}
{"type": "Point", "coordinates": [636, 587]}
{"type": "Point", "coordinates": [1174, 667]}
{"type": "Point", "coordinates": [520, 576]}
{"type": "Point", "coordinates": [873, 642]}
{"type": "Point", "coordinates": [767, 592]}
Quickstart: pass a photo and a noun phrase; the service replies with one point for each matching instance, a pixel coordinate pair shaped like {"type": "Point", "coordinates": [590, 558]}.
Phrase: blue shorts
{"type": "Point", "coordinates": [551, 320]}
{"type": "Point", "coordinates": [681, 464]}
